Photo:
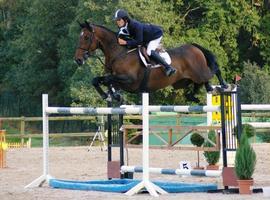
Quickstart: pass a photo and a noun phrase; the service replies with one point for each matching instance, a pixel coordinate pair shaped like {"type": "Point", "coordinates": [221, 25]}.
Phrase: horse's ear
{"type": "Point", "coordinates": [90, 28]}
{"type": "Point", "coordinates": [81, 25]}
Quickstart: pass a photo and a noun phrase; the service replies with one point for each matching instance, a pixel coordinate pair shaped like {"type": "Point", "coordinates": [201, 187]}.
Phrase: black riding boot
{"type": "Point", "coordinates": [169, 70]}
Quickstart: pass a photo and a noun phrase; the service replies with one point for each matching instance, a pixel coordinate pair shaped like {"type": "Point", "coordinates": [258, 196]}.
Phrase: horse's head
{"type": "Point", "coordinates": [87, 43]}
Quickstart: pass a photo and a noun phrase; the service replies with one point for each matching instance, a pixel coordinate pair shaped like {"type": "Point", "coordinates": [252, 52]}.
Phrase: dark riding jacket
{"type": "Point", "coordinates": [142, 34]}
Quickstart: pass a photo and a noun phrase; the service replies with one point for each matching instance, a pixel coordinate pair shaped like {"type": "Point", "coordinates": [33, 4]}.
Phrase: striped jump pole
{"type": "Point", "coordinates": [139, 169]}
{"type": "Point", "coordinates": [137, 109]}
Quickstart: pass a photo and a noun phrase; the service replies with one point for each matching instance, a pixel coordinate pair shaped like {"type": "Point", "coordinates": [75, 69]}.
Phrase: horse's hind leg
{"type": "Point", "coordinates": [190, 94]}
{"type": "Point", "coordinates": [208, 87]}
{"type": "Point", "coordinates": [220, 79]}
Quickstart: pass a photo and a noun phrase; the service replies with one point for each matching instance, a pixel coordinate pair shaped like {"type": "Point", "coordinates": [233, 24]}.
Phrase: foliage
{"type": "Point", "coordinates": [254, 85]}
{"type": "Point", "coordinates": [265, 137]}
{"type": "Point", "coordinates": [264, 40]}
{"type": "Point", "coordinates": [38, 40]}
{"type": "Point", "coordinates": [196, 139]}
{"type": "Point", "coordinates": [245, 159]}
{"type": "Point", "coordinates": [212, 157]}
{"type": "Point", "coordinates": [249, 130]}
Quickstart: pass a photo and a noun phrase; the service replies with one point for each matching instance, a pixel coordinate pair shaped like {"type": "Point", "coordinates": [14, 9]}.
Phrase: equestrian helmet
{"type": "Point", "coordinates": [120, 14]}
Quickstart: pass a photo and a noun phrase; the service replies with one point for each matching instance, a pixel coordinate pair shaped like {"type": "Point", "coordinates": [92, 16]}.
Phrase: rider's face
{"type": "Point", "coordinates": [120, 22]}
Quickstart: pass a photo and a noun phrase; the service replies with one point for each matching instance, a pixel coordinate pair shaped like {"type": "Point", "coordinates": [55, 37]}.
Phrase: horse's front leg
{"type": "Point", "coordinates": [96, 82]}
{"type": "Point", "coordinates": [115, 93]}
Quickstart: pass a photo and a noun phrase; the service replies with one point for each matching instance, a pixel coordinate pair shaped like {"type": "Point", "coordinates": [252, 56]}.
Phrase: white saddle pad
{"type": "Point", "coordinates": [163, 54]}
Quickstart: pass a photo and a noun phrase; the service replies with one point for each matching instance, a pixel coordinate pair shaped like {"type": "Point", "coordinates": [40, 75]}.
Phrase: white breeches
{"type": "Point", "coordinates": [153, 45]}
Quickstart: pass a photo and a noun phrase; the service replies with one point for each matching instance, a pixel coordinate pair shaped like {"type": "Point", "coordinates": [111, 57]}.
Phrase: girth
{"type": "Point", "coordinates": [143, 85]}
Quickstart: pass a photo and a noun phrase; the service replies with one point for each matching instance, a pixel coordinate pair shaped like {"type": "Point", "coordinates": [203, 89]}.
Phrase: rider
{"type": "Point", "coordinates": [141, 34]}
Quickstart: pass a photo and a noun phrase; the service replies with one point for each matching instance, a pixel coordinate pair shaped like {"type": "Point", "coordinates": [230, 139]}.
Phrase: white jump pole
{"type": "Point", "coordinates": [45, 177]}
{"type": "Point", "coordinates": [145, 183]}
{"type": "Point", "coordinates": [209, 114]}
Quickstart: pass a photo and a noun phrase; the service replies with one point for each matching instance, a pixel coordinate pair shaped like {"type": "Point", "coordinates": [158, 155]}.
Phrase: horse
{"type": "Point", "coordinates": [124, 69]}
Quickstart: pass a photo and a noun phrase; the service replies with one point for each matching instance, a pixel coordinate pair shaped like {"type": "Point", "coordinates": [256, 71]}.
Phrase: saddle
{"type": "Point", "coordinates": [148, 62]}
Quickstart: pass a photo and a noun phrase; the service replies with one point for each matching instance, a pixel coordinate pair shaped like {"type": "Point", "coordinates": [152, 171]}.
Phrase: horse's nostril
{"type": "Point", "coordinates": [79, 61]}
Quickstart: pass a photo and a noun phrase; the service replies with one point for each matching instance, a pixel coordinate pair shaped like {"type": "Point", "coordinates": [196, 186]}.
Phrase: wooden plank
{"type": "Point", "coordinates": [167, 127]}
{"type": "Point", "coordinates": [32, 119]}
{"type": "Point", "coordinates": [184, 147]}
{"type": "Point", "coordinates": [169, 144]}
{"type": "Point", "coordinates": [159, 137]}
{"type": "Point", "coordinates": [86, 134]}
{"type": "Point", "coordinates": [138, 133]}
{"type": "Point", "coordinates": [182, 137]}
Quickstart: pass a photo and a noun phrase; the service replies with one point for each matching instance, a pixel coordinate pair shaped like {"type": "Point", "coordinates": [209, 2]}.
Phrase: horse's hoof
{"type": "Point", "coordinates": [216, 91]}
{"type": "Point", "coordinates": [229, 87]}
{"type": "Point", "coordinates": [209, 89]}
{"type": "Point", "coordinates": [117, 97]}
{"type": "Point", "coordinates": [224, 86]}
{"type": "Point", "coordinates": [196, 100]}
{"type": "Point", "coordinates": [104, 96]}
{"type": "Point", "coordinates": [192, 98]}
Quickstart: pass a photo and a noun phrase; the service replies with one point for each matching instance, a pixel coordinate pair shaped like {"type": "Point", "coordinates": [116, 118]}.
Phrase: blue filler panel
{"type": "Point", "coordinates": [123, 185]}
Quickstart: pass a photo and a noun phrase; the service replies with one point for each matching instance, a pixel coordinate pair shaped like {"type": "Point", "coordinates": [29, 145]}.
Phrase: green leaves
{"type": "Point", "coordinates": [38, 40]}
{"type": "Point", "coordinates": [212, 157]}
{"type": "Point", "coordinates": [245, 159]}
{"type": "Point", "coordinates": [254, 85]}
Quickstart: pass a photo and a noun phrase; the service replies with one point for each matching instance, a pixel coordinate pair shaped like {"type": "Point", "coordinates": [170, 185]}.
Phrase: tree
{"type": "Point", "coordinates": [36, 72]}
{"type": "Point", "coordinates": [13, 15]}
{"type": "Point", "coordinates": [254, 85]}
{"type": "Point", "coordinates": [264, 40]}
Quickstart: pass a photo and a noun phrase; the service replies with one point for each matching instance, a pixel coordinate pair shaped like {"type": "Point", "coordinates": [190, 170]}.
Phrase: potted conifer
{"type": "Point", "coordinates": [245, 161]}
{"type": "Point", "coordinates": [197, 140]}
{"type": "Point", "coordinates": [212, 157]}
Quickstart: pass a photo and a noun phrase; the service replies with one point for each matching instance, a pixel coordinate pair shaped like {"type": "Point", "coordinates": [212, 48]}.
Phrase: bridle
{"type": "Point", "coordinates": [87, 51]}
{"type": "Point", "coordinates": [89, 43]}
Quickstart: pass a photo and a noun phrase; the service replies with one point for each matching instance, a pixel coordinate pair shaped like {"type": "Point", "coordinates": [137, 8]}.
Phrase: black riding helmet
{"type": "Point", "coordinates": [121, 14]}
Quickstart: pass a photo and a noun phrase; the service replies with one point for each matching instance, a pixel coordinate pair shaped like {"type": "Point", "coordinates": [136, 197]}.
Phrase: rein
{"type": "Point", "coordinates": [89, 53]}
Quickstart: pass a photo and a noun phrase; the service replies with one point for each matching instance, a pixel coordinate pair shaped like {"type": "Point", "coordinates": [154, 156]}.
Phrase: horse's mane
{"type": "Point", "coordinates": [88, 25]}
{"type": "Point", "coordinates": [105, 28]}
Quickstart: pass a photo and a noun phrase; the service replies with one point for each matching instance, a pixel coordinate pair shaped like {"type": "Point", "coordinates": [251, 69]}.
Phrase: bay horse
{"type": "Point", "coordinates": [124, 69]}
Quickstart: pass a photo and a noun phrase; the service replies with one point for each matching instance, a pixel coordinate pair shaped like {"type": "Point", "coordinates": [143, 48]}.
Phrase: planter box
{"type": "Point", "coordinates": [113, 169]}
{"type": "Point", "coordinates": [244, 186]}
{"type": "Point", "coordinates": [229, 177]}
{"type": "Point", "coordinates": [212, 167]}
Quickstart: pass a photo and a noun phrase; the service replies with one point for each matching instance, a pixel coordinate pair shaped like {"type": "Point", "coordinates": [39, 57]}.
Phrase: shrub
{"type": "Point", "coordinates": [265, 137]}
{"type": "Point", "coordinates": [245, 159]}
{"type": "Point", "coordinates": [212, 157]}
{"type": "Point", "coordinates": [196, 139]}
{"type": "Point", "coordinates": [249, 130]}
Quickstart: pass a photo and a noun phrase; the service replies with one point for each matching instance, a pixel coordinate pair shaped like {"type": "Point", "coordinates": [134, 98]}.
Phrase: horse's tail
{"type": "Point", "coordinates": [210, 58]}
